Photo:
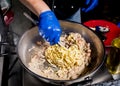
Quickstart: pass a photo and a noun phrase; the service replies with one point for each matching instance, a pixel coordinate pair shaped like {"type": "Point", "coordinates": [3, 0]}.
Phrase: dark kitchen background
{"type": "Point", "coordinates": [11, 72]}
{"type": "Point", "coordinates": [106, 9]}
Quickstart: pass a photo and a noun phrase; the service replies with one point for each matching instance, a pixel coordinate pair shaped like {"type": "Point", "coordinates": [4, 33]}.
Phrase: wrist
{"type": "Point", "coordinates": [40, 8]}
{"type": "Point", "coordinates": [44, 10]}
{"type": "Point", "coordinates": [47, 13]}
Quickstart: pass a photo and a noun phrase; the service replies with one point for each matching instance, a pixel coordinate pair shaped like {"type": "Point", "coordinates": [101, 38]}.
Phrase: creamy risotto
{"type": "Point", "coordinates": [64, 62]}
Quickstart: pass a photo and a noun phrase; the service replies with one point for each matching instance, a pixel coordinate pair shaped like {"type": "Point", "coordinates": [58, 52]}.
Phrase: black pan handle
{"type": "Point", "coordinates": [87, 81]}
{"type": "Point", "coordinates": [4, 43]}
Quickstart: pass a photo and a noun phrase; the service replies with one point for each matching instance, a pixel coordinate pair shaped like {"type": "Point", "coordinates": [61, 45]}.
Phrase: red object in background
{"type": "Point", "coordinates": [8, 17]}
{"type": "Point", "coordinates": [114, 30]}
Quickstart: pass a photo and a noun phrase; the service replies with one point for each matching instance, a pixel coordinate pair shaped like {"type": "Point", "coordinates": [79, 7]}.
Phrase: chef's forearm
{"type": "Point", "coordinates": [36, 6]}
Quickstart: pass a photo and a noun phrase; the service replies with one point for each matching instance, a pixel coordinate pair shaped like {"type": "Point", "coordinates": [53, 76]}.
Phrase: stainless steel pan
{"type": "Point", "coordinates": [30, 37]}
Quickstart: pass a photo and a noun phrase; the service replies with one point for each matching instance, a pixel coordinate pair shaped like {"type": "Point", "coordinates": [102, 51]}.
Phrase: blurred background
{"type": "Point", "coordinates": [106, 9]}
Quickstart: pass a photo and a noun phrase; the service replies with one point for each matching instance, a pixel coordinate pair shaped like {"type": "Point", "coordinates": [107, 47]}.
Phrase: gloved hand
{"type": "Point", "coordinates": [49, 27]}
{"type": "Point", "coordinates": [90, 5]}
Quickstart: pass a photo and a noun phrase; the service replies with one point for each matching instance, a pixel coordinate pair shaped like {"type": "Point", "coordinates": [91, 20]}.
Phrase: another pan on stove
{"type": "Point", "coordinates": [30, 37]}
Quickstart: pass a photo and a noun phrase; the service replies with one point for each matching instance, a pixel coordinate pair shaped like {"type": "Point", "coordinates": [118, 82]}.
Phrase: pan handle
{"type": "Point", "coordinates": [86, 81]}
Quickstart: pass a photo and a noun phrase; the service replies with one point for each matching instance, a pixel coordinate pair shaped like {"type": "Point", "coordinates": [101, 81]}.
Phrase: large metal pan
{"type": "Point", "coordinates": [30, 37]}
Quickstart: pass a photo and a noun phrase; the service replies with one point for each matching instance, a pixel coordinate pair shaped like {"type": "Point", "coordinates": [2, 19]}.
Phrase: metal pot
{"type": "Point", "coordinates": [30, 37]}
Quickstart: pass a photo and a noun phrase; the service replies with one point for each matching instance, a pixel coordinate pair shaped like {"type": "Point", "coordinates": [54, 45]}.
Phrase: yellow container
{"type": "Point", "coordinates": [113, 58]}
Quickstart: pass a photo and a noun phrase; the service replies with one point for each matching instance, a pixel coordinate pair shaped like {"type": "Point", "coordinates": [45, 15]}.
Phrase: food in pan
{"type": "Point", "coordinates": [64, 62]}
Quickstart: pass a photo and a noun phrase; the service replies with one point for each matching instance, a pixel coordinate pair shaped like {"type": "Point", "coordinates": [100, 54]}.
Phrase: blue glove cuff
{"type": "Point", "coordinates": [46, 13]}
{"type": "Point", "coordinates": [49, 15]}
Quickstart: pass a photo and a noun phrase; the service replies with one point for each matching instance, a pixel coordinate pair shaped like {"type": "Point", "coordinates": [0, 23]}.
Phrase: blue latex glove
{"type": "Point", "coordinates": [90, 5]}
{"type": "Point", "coordinates": [49, 27]}
{"type": "Point", "coordinates": [118, 24]}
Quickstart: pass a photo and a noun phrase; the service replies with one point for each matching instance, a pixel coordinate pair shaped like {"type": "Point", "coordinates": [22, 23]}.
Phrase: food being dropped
{"type": "Point", "coordinates": [64, 62]}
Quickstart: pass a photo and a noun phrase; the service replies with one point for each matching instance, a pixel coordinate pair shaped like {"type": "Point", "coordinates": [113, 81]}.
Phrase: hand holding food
{"type": "Point", "coordinates": [49, 27]}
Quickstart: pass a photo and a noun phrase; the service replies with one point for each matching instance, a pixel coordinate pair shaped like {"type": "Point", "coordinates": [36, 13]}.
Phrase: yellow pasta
{"type": "Point", "coordinates": [64, 57]}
